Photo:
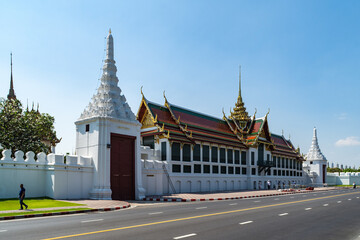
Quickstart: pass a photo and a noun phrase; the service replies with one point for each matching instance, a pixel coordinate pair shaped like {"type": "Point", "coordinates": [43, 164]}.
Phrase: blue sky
{"type": "Point", "coordinates": [298, 58]}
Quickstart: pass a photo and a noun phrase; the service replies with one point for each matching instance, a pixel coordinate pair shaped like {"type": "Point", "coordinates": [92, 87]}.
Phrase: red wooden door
{"type": "Point", "coordinates": [122, 167]}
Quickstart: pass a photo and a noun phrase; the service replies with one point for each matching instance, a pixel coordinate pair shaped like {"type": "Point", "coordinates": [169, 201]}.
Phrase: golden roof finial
{"type": "Point", "coordinates": [240, 113]}
{"type": "Point", "coordinates": [109, 31]}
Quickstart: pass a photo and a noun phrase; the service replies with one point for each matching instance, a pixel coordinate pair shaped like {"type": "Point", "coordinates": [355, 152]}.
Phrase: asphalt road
{"type": "Point", "coordinates": [319, 215]}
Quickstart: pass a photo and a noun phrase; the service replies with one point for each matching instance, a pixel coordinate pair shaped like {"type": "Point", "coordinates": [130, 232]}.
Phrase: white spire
{"type": "Point", "coordinates": [108, 101]}
{"type": "Point", "coordinates": [314, 151]}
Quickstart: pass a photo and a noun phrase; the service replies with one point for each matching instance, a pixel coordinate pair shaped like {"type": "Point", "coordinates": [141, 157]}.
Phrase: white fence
{"type": "Point", "coordinates": [49, 175]}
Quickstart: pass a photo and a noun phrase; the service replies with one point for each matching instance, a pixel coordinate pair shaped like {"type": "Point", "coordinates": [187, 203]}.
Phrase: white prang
{"type": "Point", "coordinates": [314, 151]}
{"type": "Point", "coordinates": [107, 113]}
{"type": "Point", "coordinates": [108, 101]}
{"type": "Point", "coordinates": [316, 163]}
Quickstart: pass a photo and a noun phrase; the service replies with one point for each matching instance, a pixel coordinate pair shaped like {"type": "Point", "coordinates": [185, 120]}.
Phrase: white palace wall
{"type": "Point", "coordinates": [47, 176]}
{"type": "Point", "coordinates": [343, 178]}
{"type": "Point", "coordinates": [156, 182]}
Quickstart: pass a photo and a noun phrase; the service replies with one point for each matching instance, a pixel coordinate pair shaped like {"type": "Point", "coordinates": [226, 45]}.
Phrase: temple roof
{"type": "Point", "coordinates": [314, 151]}
{"type": "Point", "coordinates": [238, 130]}
{"type": "Point", "coordinates": [187, 126]}
{"type": "Point", "coordinates": [284, 147]}
{"type": "Point", "coordinates": [177, 123]}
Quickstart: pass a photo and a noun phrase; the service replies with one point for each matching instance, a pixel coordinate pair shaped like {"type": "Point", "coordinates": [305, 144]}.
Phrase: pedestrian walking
{"type": "Point", "coordinates": [21, 197]}
{"type": "Point", "coordinates": [354, 185]}
{"type": "Point", "coordinates": [268, 184]}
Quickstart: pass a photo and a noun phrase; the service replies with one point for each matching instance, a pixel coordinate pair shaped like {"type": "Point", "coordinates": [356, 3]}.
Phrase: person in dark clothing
{"type": "Point", "coordinates": [21, 197]}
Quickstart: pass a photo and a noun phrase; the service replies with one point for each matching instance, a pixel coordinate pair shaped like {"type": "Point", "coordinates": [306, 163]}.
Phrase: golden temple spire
{"type": "Point", "coordinates": [240, 113]}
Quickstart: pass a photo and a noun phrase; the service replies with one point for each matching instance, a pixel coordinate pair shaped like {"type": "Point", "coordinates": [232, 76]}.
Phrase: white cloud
{"type": "Point", "coordinates": [349, 141]}
{"type": "Point", "coordinates": [342, 116]}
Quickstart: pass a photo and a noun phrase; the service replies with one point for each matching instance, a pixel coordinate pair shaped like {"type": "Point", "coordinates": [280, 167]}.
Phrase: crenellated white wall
{"type": "Point", "coordinates": [52, 175]}
{"type": "Point", "coordinates": [343, 178]}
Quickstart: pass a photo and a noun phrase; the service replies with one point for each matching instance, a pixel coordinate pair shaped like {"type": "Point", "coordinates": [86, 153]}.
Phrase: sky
{"type": "Point", "coordinates": [300, 59]}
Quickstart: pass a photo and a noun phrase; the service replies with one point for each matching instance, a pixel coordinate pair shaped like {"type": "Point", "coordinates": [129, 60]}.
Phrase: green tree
{"type": "Point", "coordinates": [27, 130]}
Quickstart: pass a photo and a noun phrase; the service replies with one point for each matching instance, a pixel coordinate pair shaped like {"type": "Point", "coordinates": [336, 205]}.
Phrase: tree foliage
{"type": "Point", "coordinates": [25, 130]}
{"type": "Point", "coordinates": [336, 169]}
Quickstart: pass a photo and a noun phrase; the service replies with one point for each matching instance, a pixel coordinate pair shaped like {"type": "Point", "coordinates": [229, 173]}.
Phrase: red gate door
{"type": "Point", "coordinates": [122, 167]}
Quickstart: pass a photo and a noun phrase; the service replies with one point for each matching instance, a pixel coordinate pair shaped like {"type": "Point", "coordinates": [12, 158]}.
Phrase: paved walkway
{"type": "Point", "coordinates": [228, 195]}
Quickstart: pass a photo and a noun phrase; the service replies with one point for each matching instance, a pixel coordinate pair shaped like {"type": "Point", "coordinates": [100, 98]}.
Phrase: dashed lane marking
{"type": "Point", "coordinates": [243, 223]}
{"type": "Point", "coordinates": [276, 199]}
{"type": "Point", "coordinates": [154, 213]}
{"type": "Point", "coordinates": [198, 216]}
{"type": "Point", "coordinates": [201, 207]}
{"type": "Point", "coordinates": [338, 201]}
{"type": "Point", "coordinates": [92, 220]}
{"type": "Point", "coordinates": [349, 199]}
{"type": "Point", "coordinates": [257, 201]}
{"type": "Point", "coordinates": [325, 205]}
{"type": "Point", "coordinates": [232, 204]}
{"type": "Point", "coordinates": [185, 236]}
{"type": "Point", "coordinates": [309, 208]}
{"type": "Point", "coordinates": [3, 230]}
{"type": "Point", "coordinates": [283, 214]}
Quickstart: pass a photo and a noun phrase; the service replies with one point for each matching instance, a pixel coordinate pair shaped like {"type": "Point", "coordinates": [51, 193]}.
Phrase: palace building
{"type": "Point", "coordinates": [205, 153]}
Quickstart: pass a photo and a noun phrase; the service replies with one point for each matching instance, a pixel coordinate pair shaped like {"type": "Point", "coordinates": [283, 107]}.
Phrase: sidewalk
{"type": "Point", "coordinates": [189, 197]}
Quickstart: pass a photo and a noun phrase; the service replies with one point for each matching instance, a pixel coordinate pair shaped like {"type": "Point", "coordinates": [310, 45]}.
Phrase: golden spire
{"type": "Point", "coordinates": [240, 113]}
{"type": "Point", "coordinates": [109, 31]}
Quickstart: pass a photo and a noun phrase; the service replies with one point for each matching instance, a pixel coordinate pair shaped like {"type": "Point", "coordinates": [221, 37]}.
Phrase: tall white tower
{"type": "Point", "coordinates": [316, 162]}
{"type": "Point", "coordinates": [108, 131]}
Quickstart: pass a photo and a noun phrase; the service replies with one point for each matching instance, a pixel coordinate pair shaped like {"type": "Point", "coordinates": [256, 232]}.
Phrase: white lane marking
{"type": "Point", "coordinates": [153, 213]}
{"type": "Point", "coordinates": [243, 223]}
{"type": "Point", "coordinates": [338, 201]}
{"type": "Point", "coordinates": [349, 199]}
{"type": "Point", "coordinates": [3, 230]}
{"type": "Point", "coordinates": [357, 197]}
{"type": "Point", "coordinates": [41, 218]}
{"type": "Point", "coordinates": [283, 214]}
{"type": "Point", "coordinates": [232, 204]}
{"type": "Point", "coordinates": [326, 205]}
{"type": "Point", "coordinates": [309, 208]}
{"type": "Point", "coordinates": [257, 201]}
{"type": "Point", "coordinates": [185, 236]}
{"type": "Point", "coordinates": [93, 220]}
{"type": "Point", "coordinates": [201, 207]}
{"type": "Point", "coordinates": [276, 199]}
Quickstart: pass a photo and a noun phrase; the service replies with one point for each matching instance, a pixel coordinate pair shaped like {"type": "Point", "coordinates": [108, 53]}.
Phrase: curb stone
{"type": "Point", "coordinates": [63, 213]}
{"type": "Point", "coordinates": [219, 199]}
